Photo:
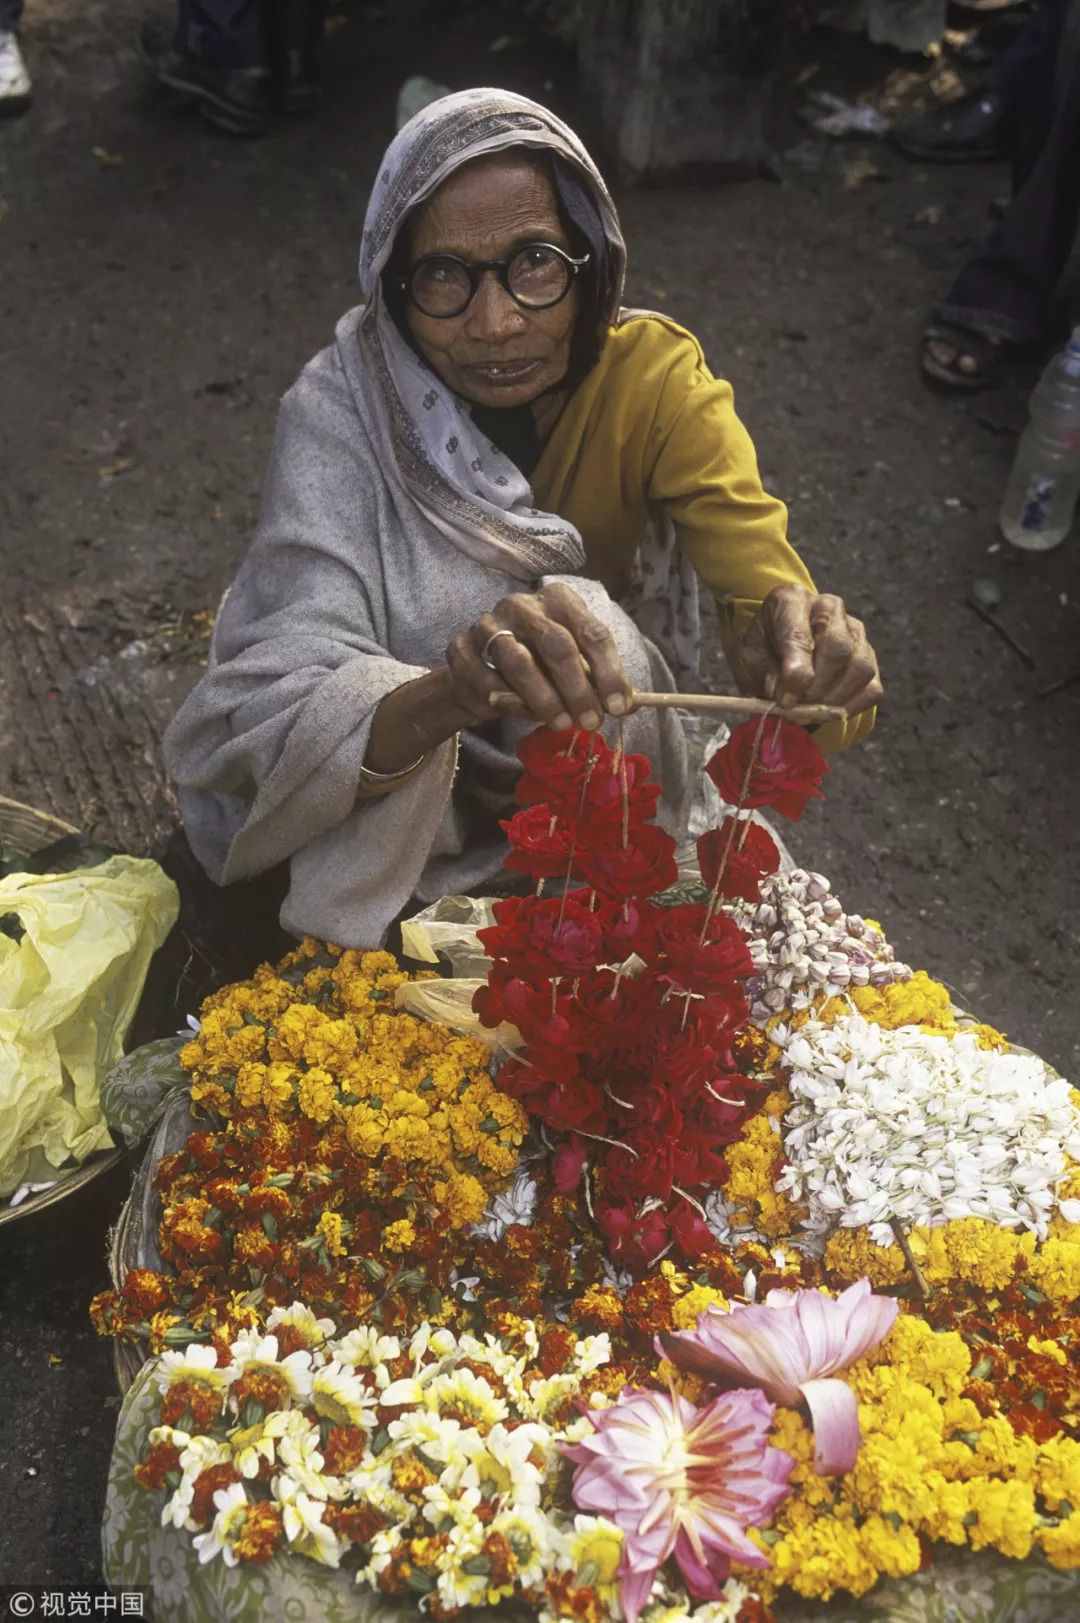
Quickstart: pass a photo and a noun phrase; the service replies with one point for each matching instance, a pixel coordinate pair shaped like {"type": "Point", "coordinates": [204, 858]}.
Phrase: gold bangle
{"type": "Point", "coordinates": [381, 783]}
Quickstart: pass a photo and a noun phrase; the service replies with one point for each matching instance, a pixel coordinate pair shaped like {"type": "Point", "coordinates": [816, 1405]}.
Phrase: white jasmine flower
{"type": "Point", "coordinates": [515, 1205]}
{"type": "Point", "coordinates": [923, 1128]}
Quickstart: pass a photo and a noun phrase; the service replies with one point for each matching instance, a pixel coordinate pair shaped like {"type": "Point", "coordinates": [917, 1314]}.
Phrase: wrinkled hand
{"type": "Point", "coordinates": [806, 649]}
{"type": "Point", "coordinates": [560, 660]}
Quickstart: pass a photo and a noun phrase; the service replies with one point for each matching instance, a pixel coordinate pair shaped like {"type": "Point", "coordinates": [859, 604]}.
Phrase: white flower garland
{"type": "Point", "coordinates": [923, 1128]}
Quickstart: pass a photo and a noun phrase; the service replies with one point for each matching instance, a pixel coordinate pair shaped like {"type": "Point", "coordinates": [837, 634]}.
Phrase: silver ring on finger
{"type": "Point", "coordinates": [485, 652]}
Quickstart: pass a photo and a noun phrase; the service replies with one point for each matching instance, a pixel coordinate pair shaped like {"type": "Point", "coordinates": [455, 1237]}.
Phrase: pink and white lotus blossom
{"type": "Point", "coordinates": [681, 1481]}
{"type": "Point", "coordinates": [790, 1346]}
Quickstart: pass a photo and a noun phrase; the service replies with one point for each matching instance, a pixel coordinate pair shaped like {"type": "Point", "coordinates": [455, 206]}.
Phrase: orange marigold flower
{"type": "Point", "coordinates": [410, 1475]}
{"type": "Point", "coordinates": [162, 1458]}
{"type": "Point", "coordinates": [358, 1523]}
{"type": "Point", "coordinates": [261, 1533]}
{"type": "Point", "coordinates": [556, 1350]}
{"type": "Point", "coordinates": [207, 1483]}
{"type": "Point", "coordinates": [344, 1449]}
{"type": "Point", "coordinates": [145, 1290]}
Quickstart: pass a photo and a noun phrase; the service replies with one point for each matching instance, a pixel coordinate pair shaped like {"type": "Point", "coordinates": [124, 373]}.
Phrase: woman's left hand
{"type": "Point", "coordinates": [803, 648]}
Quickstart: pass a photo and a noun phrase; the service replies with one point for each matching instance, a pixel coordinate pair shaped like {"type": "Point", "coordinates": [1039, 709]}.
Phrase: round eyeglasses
{"type": "Point", "coordinates": [536, 277]}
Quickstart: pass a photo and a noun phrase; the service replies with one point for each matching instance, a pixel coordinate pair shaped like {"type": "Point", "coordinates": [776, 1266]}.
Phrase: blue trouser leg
{"type": "Point", "coordinates": [1007, 287]}
{"type": "Point", "coordinates": [10, 13]}
{"type": "Point", "coordinates": [229, 34]}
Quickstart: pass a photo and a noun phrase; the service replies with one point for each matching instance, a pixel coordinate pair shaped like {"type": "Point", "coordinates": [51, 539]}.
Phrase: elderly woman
{"type": "Point", "coordinates": [491, 457]}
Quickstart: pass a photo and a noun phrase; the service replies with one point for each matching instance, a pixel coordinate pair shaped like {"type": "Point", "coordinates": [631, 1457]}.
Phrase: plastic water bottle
{"type": "Point", "coordinates": [1045, 481]}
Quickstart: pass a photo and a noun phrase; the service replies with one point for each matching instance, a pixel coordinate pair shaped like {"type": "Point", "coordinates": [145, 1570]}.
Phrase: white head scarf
{"type": "Point", "coordinates": [464, 485]}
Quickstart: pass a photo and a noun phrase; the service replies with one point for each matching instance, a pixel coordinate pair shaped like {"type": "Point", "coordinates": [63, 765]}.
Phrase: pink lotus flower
{"type": "Point", "coordinates": [789, 1347]}
{"type": "Point", "coordinates": [683, 1481]}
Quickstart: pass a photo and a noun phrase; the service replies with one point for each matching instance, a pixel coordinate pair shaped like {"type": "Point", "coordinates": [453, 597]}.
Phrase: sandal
{"type": "Point", "coordinates": [989, 355]}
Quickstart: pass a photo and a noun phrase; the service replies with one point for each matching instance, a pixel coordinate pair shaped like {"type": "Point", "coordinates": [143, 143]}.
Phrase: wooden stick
{"type": "Point", "coordinates": [808, 715]}
{"type": "Point", "coordinates": [915, 1271]}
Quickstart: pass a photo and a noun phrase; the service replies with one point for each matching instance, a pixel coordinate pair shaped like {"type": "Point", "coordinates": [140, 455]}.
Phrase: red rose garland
{"type": "Point", "coordinates": [633, 1063]}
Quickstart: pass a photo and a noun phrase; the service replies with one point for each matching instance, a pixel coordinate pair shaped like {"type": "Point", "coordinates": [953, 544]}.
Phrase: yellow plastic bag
{"type": "Point", "coordinates": [68, 991]}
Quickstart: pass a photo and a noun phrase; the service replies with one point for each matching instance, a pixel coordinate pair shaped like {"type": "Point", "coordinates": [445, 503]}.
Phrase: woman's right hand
{"type": "Point", "coordinates": [549, 649]}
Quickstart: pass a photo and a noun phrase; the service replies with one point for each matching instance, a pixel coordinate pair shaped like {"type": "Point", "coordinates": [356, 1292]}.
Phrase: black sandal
{"type": "Point", "coordinates": [989, 354]}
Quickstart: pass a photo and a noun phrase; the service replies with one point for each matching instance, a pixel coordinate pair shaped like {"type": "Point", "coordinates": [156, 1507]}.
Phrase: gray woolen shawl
{"type": "Point", "coordinates": [388, 524]}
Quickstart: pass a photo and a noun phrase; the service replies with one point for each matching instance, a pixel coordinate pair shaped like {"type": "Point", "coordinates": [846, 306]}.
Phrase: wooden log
{"type": "Point", "coordinates": [681, 87]}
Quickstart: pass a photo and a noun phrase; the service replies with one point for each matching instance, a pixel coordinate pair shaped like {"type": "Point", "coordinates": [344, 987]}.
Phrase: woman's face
{"type": "Point", "coordinates": [495, 352]}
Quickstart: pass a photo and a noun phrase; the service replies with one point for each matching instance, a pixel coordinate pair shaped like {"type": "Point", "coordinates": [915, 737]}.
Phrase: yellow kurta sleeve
{"type": "Point", "coordinates": [705, 479]}
{"type": "Point", "coordinates": [650, 432]}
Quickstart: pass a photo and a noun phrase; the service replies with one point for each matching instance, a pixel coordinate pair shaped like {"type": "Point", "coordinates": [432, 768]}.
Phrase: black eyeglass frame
{"type": "Point", "coordinates": [474, 269]}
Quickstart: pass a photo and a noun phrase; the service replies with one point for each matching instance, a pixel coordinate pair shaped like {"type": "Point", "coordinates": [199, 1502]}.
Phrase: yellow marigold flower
{"type": "Point", "coordinates": [961, 1415]}
{"type": "Point", "coordinates": [945, 1512]}
{"type": "Point", "coordinates": [331, 1227]}
{"type": "Point", "coordinates": [497, 1157]}
{"type": "Point", "coordinates": [249, 1085]}
{"type": "Point", "coordinates": [399, 1236]}
{"type": "Point", "coordinates": [462, 1200]}
{"type": "Point", "coordinates": [919, 1001]}
{"type": "Point", "coordinates": [689, 1308]}
{"type": "Point", "coordinates": [295, 1025]}
{"type": "Point", "coordinates": [940, 1362]}
{"type": "Point", "coordinates": [1049, 1349]}
{"type": "Point", "coordinates": [246, 1044]}
{"type": "Point", "coordinates": [1061, 1544]}
{"type": "Point", "coordinates": [826, 1556]}
{"type": "Point", "coordinates": [1055, 1269]}
{"type": "Point", "coordinates": [332, 1043]}
{"type": "Point", "coordinates": [317, 1095]}
{"type": "Point", "coordinates": [851, 1253]}
{"type": "Point", "coordinates": [160, 1325]}
{"type": "Point", "coordinates": [1002, 1450]}
{"type": "Point", "coordinates": [364, 1130]}
{"type": "Point", "coordinates": [893, 1551]}
{"type": "Point", "coordinates": [970, 1249]}
{"type": "Point", "coordinates": [277, 1092]}
{"type": "Point", "coordinates": [213, 1095]}
{"type": "Point", "coordinates": [1057, 1472]}
{"type": "Point", "coordinates": [1006, 1516]}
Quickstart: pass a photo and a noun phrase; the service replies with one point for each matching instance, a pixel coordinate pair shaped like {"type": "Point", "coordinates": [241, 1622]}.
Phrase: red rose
{"type": "Point", "coordinates": [641, 868]}
{"type": "Point", "coordinates": [638, 1240]}
{"type": "Point", "coordinates": [542, 936]}
{"type": "Point", "coordinates": [752, 856]}
{"type": "Point", "coordinates": [637, 1103]}
{"type": "Point", "coordinates": [557, 766]}
{"type": "Point", "coordinates": [540, 843]}
{"type": "Point", "coordinates": [642, 1164]}
{"type": "Point", "coordinates": [575, 1106]}
{"type": "Point", "coordinates": [707, 966]}
{"type": "Point", "coordinates": [628, 927]}
{"type": "Point", "coordinates": [690, 1231]}
{"type": "Point", "coordinates": [568, 1163]}
{"type": "Point", "coordinates": [698, 1161]}
{"type": "Point", "coordinates": [611, 1004]}
{"type": "Point", "coordinates": [786, 773]}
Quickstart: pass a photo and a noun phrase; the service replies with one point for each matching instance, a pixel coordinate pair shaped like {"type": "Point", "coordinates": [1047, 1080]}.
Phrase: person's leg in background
{"type": "Point", "coordinates": [1005, 295]}
{"type": "Point", "coordinates": [294, 33]}
{"type": "Point", "coordinates": [14, 79]}
{"type": "Point", "coordinates": [217, 54]}
{"type": "Point", "coordinates": [240, 58]}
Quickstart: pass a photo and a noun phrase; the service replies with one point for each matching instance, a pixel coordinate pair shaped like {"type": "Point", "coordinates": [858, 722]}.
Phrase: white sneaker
{"type": "Point", "coordinates": [14, 79]}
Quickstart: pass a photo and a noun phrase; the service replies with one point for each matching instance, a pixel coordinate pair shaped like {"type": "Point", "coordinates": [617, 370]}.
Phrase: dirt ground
{"type": "Point", "coordinates": [160, 286]}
